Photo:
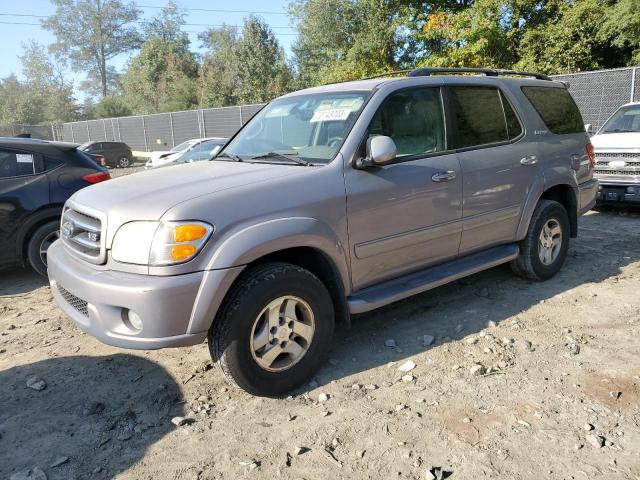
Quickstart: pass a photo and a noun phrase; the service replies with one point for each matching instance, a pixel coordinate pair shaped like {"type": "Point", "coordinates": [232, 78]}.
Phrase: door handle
{"type": "Point", "coordinates": [446, 176]}
{"type": "Point", "coordinates": [529, 160]}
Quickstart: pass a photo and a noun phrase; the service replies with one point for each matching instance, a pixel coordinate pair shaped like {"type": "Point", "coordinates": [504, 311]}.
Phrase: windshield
{"type": "Point", "coordinates": [302, 129]}
{"type": "Point", "coordinates": [627, 119]}
{"type": "Point", "coordinates": [204, 151]}
{"type": "Point", "coordinates": [183, 146]}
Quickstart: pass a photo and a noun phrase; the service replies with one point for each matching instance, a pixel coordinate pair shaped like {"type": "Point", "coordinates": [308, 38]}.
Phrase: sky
{"type": "Point", "coordinates": [13, 32]}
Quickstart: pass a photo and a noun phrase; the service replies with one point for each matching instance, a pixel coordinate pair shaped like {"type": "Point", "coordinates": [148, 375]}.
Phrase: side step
{"type": "Point", "coordinates": [391, 291]}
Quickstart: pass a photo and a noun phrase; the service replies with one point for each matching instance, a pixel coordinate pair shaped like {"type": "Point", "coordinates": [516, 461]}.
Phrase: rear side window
{"type": "Point", "coordinates": [556, 108]}
{"type": "Point", "coordinates": [16, 164]}
{"type": "Point", "coordinates": [482, 116]}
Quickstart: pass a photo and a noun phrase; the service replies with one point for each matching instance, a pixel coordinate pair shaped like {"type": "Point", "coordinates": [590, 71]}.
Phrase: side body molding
{"type": "Point", "coordinates": [253, 242]}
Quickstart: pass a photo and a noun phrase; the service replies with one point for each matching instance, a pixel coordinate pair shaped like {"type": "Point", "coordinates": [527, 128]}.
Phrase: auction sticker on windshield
{"type": "Point", "coordinates": [332, 114]}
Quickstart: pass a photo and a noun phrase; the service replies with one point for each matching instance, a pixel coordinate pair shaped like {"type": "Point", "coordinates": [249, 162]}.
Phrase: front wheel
{"type": "Point", "coordinates": [40, 242]}
{"type": "Point", "coordinates": [274, 329]}
{"type": "Point", "coordinates": [544, 249]}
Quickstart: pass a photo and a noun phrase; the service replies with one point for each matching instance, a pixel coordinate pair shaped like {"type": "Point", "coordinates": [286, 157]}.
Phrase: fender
{"type": "Point", "coordinates": [254, 242]}
{"type": "Point", "coordinates": [258, 240]}
{"type": "Point", "coordinates": [535, 194]}
{"type": "Point", "coordinates": [47, 213]}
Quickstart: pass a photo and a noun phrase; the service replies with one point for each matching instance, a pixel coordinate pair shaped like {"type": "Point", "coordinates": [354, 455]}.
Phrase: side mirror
{"type": "Point", "coordinates": [381, 151]}
{"type": "Point", "coordinates": [588, 128]}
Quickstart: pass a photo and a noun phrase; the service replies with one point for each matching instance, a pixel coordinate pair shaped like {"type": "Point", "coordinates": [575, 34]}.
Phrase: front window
{"type": "Point", "coordinates": [626, 119]}
{"type": "Point", "coordinates": [301, 129]}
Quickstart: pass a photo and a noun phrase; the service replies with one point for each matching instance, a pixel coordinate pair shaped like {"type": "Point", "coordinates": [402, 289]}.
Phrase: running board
{"type": "Point", "coordinates": [391, 291]}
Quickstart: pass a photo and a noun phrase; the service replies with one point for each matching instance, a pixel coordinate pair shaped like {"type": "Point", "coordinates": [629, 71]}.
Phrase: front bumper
{"type": "Point", "coordinates": [619, 193]}
{"type": "Point", "coordinates": [96, 300]}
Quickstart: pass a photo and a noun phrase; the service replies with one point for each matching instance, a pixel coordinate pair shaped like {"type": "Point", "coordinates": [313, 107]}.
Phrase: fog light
{"type": "Point", "coordinates": [631, 190]}
{"type": "Point", "coordinates": [134, 320]}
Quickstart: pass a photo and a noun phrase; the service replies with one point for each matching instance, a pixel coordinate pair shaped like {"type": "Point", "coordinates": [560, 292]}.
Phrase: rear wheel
{"type": "Point", "coordinates": [124, 162]}
{"type": "Point", "coordinates": [40, 242]}
{"type": "Point", "coordinates": [274, 330]}
{"type": "Point", "coordinates": [544, 249]}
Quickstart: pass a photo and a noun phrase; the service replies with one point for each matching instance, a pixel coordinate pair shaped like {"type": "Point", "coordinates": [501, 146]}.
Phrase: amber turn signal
{"type": "Point", "coordinates": [189, 232]}
{"type": "Point", "coordinates": [181, 252]}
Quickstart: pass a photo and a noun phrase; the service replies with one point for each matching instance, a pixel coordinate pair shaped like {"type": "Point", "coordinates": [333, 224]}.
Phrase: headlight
{"type": "Point", "coordinates": [159, 243]}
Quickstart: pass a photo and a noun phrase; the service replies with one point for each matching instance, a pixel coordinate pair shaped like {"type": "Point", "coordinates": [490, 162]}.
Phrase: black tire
{"type": "Point", "coordinates": [39, 243]}
{"type": "Point", "coordinates": [528, 264]}
{"type": "Point", "coordinates": [231, 332]}
{"type": "Point", "coordinates": [124, 162]}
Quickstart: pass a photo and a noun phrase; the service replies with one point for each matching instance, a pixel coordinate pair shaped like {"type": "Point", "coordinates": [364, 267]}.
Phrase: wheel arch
{"type": "Point", "coordinates": [31, 224]}
{"type": "Point", "coordinates": [563, 193]}
{"type": "Point", "coordinates": [305, 242]}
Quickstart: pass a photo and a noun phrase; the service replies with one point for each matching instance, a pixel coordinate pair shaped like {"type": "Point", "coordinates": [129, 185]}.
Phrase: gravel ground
{"type": "Point", "coordinates": [523, 380]}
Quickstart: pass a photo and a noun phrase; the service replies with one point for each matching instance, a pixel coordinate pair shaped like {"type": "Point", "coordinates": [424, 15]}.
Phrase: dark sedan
{"type": "Point", "coordinates": [36, 178]}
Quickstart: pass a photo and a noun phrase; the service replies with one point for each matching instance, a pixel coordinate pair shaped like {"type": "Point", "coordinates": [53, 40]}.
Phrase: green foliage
{"type": "Point", "coordinates": [346, 39]}
{"type": "Point", "coordinates": [622, 26]}
{"type": "Point", "coordinates": [44, 97]}
{"type": "Point", "coordinates": [112, 106]}
{"type": "Point", "coordinates": [91, 32]}
{"type": "Point", "coordinates": [243, 68]}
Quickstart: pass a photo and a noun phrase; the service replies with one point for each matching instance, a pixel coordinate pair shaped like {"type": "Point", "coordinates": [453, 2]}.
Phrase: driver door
{"type": "Point", "coordinates": [407, 215]}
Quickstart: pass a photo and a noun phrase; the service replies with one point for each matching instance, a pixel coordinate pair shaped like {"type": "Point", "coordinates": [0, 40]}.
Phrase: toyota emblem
{"type": "Point", "coordinates": [67, 229]}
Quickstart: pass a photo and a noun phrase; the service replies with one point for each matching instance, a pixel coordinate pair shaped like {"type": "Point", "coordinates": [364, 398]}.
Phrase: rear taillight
{"type": "Point", "coordinates": [97, 177]}
{"type": "Point", "coordinates": [591, 154]}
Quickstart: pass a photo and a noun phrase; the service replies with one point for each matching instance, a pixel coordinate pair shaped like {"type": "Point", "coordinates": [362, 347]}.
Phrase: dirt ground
{"type": "Point", "coordinates": [561, 363]}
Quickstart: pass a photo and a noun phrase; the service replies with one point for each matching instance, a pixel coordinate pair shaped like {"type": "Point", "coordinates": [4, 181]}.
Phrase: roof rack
{"type": "Point", "coordinates": [489, 72]}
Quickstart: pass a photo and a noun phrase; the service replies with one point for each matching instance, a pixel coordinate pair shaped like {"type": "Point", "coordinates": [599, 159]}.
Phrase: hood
{"type": "Point", "coordinates": [149, 194]}
{"type": "Point", "coordinates": [623, 142]}
{"type": "Point", "coordinates": [155, 156]}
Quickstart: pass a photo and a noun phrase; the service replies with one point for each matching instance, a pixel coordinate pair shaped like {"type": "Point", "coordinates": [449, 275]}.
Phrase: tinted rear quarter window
{"type": "Point", "coordinates": [556, 108]}
{"type": "Point", "coordinates": [479, 116]}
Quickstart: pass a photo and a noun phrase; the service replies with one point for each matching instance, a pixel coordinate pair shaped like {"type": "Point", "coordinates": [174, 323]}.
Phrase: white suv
{"type": "Point", "coordinates": [617, 148]}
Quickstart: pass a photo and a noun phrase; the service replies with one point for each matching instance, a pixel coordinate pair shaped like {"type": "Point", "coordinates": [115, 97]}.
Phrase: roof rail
{"type": "Point", "coordinates": [490, 72]}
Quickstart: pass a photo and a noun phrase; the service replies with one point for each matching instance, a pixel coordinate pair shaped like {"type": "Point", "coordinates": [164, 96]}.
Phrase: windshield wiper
{"type": "Point", "coordinates": [232, 156]}
{"type": "Point", "coordinates": [281, 156]}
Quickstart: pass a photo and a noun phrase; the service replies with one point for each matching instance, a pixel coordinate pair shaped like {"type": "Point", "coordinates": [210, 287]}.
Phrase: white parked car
{"type": "Point", "coordinates": [617, 149]}
{"type": "Point", "coordinates": [162, 158]}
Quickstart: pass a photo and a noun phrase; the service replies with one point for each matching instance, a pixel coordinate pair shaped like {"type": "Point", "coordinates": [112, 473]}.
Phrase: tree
{"type": "Point", "coordinates": [46, 84]}
{"type": "Point", "coordinates": [219, 73]}
{"type": "Point", "coordinates": [44, 95]}
{"type": "Point", "coordinates": [16, 105]}
{"type": "Point", "coordinates": [247, 68]}
{"type": "Point", "coordinates": [92, 32]}
{"type": "Point", "coordinates": [622, 27]}
{"type": "Point", "coordinates": [167, 25]}
{"type": "Point", "coordinates": [163, 76]}
{"type": "Point", "coordinates": [263, 72]}
{"type": "Point", "coordinates": [113, 106]}
{"type": "Point", "coordinates": [364, 38]}
{"type": "Point", "coordinates": [570, 40]}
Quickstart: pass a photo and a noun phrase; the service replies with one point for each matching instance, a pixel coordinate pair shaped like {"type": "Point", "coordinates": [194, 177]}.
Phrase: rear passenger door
{"type": "Point", "coordinates": [23, 189]}
{"type": "Point", "coordinates": [499, 162]}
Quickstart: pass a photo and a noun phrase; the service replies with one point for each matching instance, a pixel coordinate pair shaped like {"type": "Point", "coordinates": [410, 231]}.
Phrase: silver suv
{"type": "Point", "coordinates": [331, 201]}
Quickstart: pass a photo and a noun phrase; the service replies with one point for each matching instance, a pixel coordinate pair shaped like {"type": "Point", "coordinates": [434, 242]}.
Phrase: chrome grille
{"type": "Point", "coordinates": [631, 167]}
{"type": "Point", "coordinates": [82, 233]}
{"type": "Point", "coordinates": [77, 303]}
